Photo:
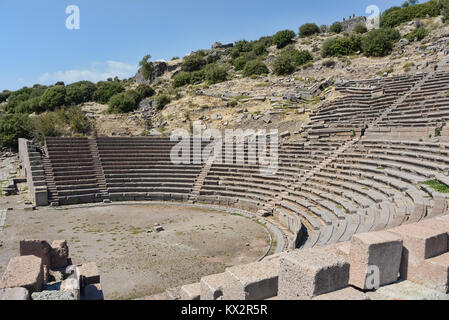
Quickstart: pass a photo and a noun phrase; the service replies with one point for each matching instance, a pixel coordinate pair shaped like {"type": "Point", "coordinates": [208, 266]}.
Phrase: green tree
{"type": "Point", "coordinates": [194, 62]}
{"type": "Point", "coordinates": [283, 65]}
{"type": "Point", "coordinates": [181, 79]}
{"type": "Point", "coordinates": [53, 98]}
{"type": "Point", "coordinates": [123, 102]}
{"type": "Point", "coordinates": [283, 38]}
{"type": "Point", "coordinates": [308, 29]}
{"type": "Point", "coordinates": [341, 46]}
{"type": "Point", "coordinates": [214, 73]}
{"type": "Point", "coordinates": [79, 92]}
{"type": "Point", "coordinates": [13, 127]}
{"type": "Point", "coordinates": [255, 67]}
{"type": "Point", "coordinates": [379, 42]}
{"type": "Point", "coordinates": [336, 27]}
{"type": "Point", "coordinates": [147, 67]}
{"type": "Point", "coordinates": [360, 28]}
{"type": "Point", "coordinates": [105, 90]}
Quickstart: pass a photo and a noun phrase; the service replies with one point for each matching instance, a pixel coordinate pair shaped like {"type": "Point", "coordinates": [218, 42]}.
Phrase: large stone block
{"type": "Point", "coordinates": [439, 224]}
{"type": "Point", "coordinates": [24, 271]}
{"type": "Point", "coordinates": [88, 273]}
{"type": "Point", "coordinates": [59, 254]}
{"type": "Point", "coordinates": [419, 243]}
{"type": "Point", "coordinates": [348, 293]}
{"type": "Point", "coordinates": [14, 294]}
{"type": "Point", "coordinates": [254, 281]}
{"type": "Point", "coordinates": [72, 285]}
{"type": "Point", "coordinates": [38, 248]}
{"type": "Point", "coordinates": [191, 291]}
{"type": "Point", "coordinates": [379, 249]}
{"type": "Point", "coordinates": [434, 273]}
{"type": "Point", "coordinates": [305, 274]}
{"type": "Point", "coordinates": [212, 286]}
{"type": "Point", "coordinates": [53, 295]}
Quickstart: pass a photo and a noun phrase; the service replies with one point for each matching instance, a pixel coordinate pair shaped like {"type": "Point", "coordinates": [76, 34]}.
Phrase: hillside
{"type": "Point", "coordinates": [273, 82]}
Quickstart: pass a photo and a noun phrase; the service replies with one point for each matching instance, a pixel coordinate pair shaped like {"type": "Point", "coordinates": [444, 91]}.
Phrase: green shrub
{"type": "Point", "coordinates": [444, 9]}
{"type": "Point", "coordinates": [53, 98]}
{"type": "Point", "coordinates": [336, 27]}
{"type": "Point", "coordinates": [260, 46]}
{"type": "Point", "coordinates": [197, 77]}
{"type": "Point", "coordinates": [243, 46]}
{"type": "Point", "coordinates": [194, 62]}
{"type": "Point", "coordinates": [299, 58]}
{"type": "Point", "coordinates": [105, 90]}
{"type": "Point", "coordinates": [255, 67]}
{"type": "Point", "coordinates": [215, 73]}
{"type": "Point", "coordinates": [260, 49]}
{"type": "Point", "coordinates": [283, 65]}
{"type": "Point", "coordinates": [47, 125]}
{"type": "Point", "coordinates": [123, 102]}
{"type": "Point", "coordinates": [341, 46]}
{"type": "Point", "coordinates": [283, 38]}
{"type": "Point", "coordinates": [308, 29]}
{"type": "Point", "coordinates": [395, 16]}
{"type": "Point", "coordinates": [77, 120]}
{"type": "Point", "coordinates": [144, 91]}
{"type": "Point", "coordinates": [17, 97]}
{"type": "Point", "coordinates": [360, 28]}
{"type": "Point", "coordinates": [239, 63]}
{"type": "Point", "coordinates": [418, 33]}
{"type": "Point", "coordinates": [29, 106]}
{"type": "Point", "coordinates": [162, 100]}
{"type": "Point", "coordinates": [379, 42]}
{"type": "Point", "coordinates": [181, 79]}
{"type": "Point", "coordinates": [13, 127]}
{"type": "Point", "coordinates": [79, 92]}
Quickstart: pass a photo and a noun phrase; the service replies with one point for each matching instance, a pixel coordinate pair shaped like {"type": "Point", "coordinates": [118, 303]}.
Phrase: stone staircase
{"type": "Point", "coordinates": [50, 181]}
{"type": "Point", "coordinates": [200, 180]}
{"type": "Point", "coordinates": [99, 174]}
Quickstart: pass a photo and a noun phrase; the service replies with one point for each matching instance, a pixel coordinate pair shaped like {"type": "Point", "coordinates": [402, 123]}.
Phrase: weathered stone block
{"type": "Point", "coordinates": [348, 293]}
{"type": "Point", "coordinates": [14, 294]}
{"type": "Point", "coordinates": [38, 248]}
{"type": "Point", "coordinates": [380, 249]}
{"type": "Point", "coordinates": [72, 285]}
{"type": "Point", "coordinates": [212, 286]}
{"type": "Point", "coordinates": [434, 273]}
{"type": "Point", "coordinates": [59, 254]}
{"type": "Point", "coordinates": [191, 291]}
{"type": "Point", "coordinates": [308, 273]}
{"type": "Point", "coordinates": [24, 271]}
{"type": "Point", "coordinates": [419, 243]}
{"type": "Point", "coordinates": [254, 281]}
{"type": "Point", "coordinates": [53, 295]}
{"type": "Point", "coordinates": [88, 273]}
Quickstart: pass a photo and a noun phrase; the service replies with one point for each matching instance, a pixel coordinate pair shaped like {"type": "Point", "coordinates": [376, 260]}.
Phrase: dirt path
{"type": "Point", "coordinates": [132, 261]}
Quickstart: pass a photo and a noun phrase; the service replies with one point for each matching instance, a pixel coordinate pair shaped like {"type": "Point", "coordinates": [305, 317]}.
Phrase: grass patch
{"type": "Point", "coordinates": [437, 186]}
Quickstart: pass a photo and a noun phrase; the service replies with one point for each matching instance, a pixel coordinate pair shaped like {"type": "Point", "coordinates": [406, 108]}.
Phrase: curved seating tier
{"type": "Point", "coordinates": [335, 180]}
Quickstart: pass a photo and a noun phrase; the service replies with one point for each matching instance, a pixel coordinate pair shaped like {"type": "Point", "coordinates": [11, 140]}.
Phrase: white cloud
{"type": "Point", "coordinates": [96, 72]}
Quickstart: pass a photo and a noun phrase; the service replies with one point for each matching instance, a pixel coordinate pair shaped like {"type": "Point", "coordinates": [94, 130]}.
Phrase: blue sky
{"type": "Point", "coordinates": [36, 46]}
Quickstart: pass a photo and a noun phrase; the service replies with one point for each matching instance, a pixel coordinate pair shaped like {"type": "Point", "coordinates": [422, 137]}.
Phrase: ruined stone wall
{"type": "Point", "coordinates": [349, 24]}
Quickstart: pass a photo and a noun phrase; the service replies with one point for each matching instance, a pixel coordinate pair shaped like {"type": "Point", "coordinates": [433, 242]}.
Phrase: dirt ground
{"type": "Point", "coordinates": [134, 262]}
